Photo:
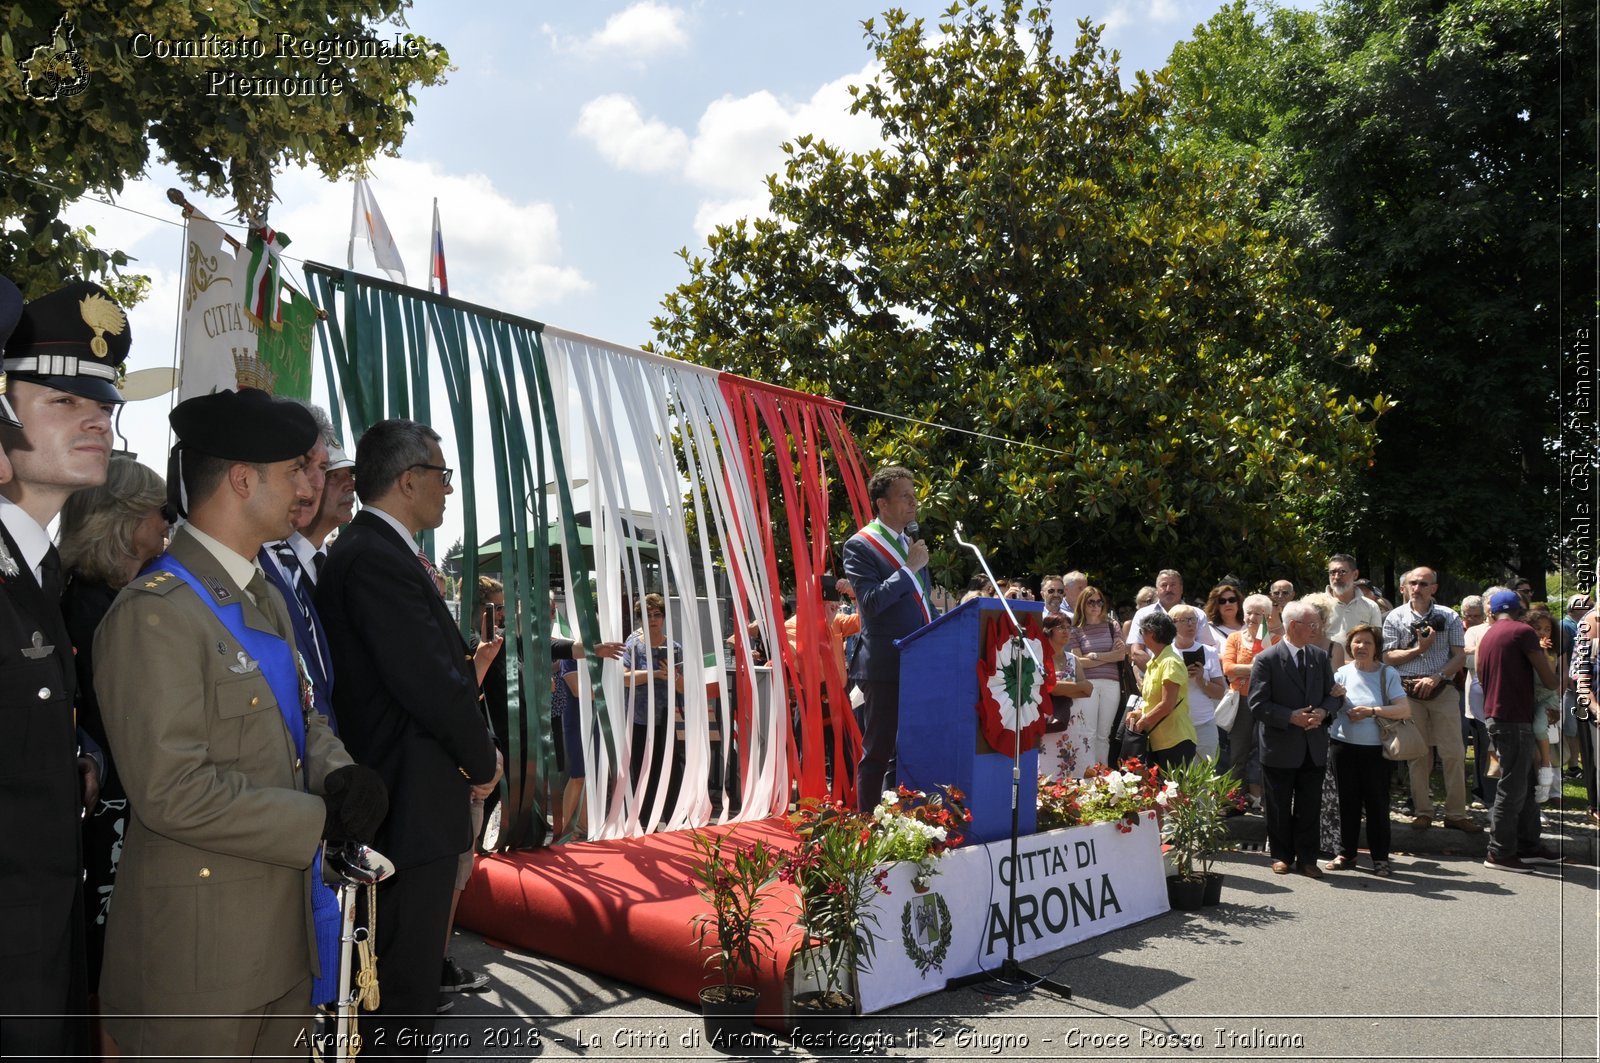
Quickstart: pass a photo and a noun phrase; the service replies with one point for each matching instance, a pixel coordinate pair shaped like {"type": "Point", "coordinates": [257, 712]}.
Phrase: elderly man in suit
{"type": "Point", "coordinates": [1292, 700]}
{"type": "Point", "coordinates": [888, 571]}
{"type": "Point", "coordinates": [407, 704]}
{"type": "Point", "coordinates": [233, 778]}
{"type": "Point", "coordinates": [62, 354]}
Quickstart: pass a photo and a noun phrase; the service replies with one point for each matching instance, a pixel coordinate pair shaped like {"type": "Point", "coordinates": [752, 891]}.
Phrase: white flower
{"type": "Point", "coordinates": [1161, 798]}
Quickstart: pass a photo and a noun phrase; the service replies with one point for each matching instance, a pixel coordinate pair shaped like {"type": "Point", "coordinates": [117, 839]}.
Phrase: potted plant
{"type": "Point", "coordinates": [1196, 827]}
{"type": "Point", "coordinates": [835, 869]}
{"type": "Point", "coordinates": [734, 934]}
{"type": "Point", "coordinates": [1121, 795]}
{"type": "Point", "coordinates": [920, 827]}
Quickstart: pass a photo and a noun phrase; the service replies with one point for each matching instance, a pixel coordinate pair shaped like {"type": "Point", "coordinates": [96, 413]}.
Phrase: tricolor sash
{"type": "Point", "coordinates": [887, 543]}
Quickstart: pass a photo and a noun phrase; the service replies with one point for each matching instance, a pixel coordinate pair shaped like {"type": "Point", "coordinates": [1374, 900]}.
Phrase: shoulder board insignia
{"type": "Point", "coordinates": [156, 582]}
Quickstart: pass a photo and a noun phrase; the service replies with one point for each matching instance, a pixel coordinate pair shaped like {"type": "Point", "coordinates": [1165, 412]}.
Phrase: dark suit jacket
{"type": "Point", "coordinates": [887, 601]}
{"type": "Point", "coordinates": [40, 859]}
{"type": "Point", "coordinates": [407, 696]}
{"type": "Point", "coordinates": [1277, 690]}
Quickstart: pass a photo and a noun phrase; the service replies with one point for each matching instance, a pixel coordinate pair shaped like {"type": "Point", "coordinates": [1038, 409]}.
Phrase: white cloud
{"type": "Point", "coordinates": [738, 141]}
{"type": "Point", "coordinates": [500, 252]}
{"type": "Point", "coordinates": [635, 33]}
{"type": "Point", "coordinates": [629, 141]}
{"type": "Point", "coordinates": [1127, 14]}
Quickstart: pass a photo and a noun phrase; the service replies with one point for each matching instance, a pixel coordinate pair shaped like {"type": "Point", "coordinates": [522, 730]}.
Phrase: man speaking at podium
{"type": "Point", "coordinates": [888, 567]}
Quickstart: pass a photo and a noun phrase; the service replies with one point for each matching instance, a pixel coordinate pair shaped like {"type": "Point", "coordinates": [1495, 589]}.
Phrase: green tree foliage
{"type": "Point", "coordinates": [1022, 258]}
{"type": "Point", "coordinates": [1415, 149]}
{"type": "Point", "coordinates": [83, 111]}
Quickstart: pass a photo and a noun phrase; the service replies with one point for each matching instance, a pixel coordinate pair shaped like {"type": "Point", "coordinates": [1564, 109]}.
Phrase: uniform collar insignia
{"type": "Point", "coordinates": [8, 564]}
{"type": "Point", "coordinates": [218, 589]}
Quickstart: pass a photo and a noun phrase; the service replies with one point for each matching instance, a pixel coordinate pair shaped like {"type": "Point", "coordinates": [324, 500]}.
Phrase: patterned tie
{"type": "Point", "coordinates": [290, 562]}
{"type": "Point", "coordinates": [433, 573]}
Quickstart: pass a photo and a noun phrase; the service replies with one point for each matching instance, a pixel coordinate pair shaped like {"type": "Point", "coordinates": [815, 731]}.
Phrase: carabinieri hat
{"type": "Point", "coordinates": [74, 339]}
{"type": "Point", "coordinates": [10, 314]}
{"type": "Point", "coordinates": [245, 425]}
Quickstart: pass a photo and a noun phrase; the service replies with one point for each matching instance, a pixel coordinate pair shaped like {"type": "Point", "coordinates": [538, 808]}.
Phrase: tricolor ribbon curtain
{"type": "Point", "coordinates": [702, 458]}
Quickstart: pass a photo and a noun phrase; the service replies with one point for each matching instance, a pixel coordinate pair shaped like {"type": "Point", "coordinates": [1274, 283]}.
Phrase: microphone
{"type": "Point", "coordinates": [912, 530]}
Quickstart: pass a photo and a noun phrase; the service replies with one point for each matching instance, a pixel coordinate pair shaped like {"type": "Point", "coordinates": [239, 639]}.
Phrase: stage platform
{"type": "Point", "coordinates": [621, 908]}
{"type": "Point", "coordinates": [624, 909]}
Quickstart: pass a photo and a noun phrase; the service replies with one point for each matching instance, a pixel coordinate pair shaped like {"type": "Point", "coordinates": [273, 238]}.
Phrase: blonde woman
{"type": "Point", "coordinates": [1097, 646]}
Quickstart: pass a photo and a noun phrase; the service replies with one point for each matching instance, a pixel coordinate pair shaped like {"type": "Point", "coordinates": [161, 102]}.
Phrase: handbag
{"type": "Point", "coordinates": [1401, 739]}
{"type": "Point", "coordinates": [1227, 710]}
{"type": "Point", "coordinates": [1132, 743]}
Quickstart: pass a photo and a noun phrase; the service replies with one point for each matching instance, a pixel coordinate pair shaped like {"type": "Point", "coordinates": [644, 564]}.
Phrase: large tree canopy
{"type": "Point", "coordinates": [1415, 148]}
{"type": "Point", "coordinates": [86, 101]}
{"type": "Point", "coordinates": [1024, 259]}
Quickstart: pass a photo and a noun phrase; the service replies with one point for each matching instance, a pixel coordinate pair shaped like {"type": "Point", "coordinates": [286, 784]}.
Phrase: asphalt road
{"type": "Point", "coordinates": [1448, 960]}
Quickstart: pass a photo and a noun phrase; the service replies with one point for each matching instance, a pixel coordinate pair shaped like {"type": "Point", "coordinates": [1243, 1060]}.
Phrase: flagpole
{"type": "Point", "coordinates": [355, 213]}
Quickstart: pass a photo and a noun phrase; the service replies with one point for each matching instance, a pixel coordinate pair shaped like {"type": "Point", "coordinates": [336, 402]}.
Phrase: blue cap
{"type": "Point", "coordinates": [1504, 602]}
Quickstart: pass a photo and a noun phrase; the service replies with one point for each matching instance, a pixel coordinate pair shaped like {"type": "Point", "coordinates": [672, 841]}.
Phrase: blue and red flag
{"type": "Point", "coordinates": [436, 271]}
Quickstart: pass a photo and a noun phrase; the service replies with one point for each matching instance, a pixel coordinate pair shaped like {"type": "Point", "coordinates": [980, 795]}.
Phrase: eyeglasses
{"type": "Point", "coordinates": [1095, 601]}
{"type": "Point", "coordinates": [1227, 601]}
{"type": "Point", "coordinates": [445, 475]}
{"type": "Point", "coordinates": [655, 614]}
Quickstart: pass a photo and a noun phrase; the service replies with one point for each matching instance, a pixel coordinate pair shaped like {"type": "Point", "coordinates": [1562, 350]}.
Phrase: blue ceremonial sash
{"type": "Point", "coordinates": [281, 669]}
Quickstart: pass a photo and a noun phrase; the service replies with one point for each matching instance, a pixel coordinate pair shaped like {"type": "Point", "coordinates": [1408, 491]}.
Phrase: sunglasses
{"type": "Point", "coordinates": [1227, 601]}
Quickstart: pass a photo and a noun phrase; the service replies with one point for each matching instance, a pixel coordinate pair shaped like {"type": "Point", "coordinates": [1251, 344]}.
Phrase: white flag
{"type": "Point", "coordinates": [216, 327]}
{"type": "Point", "coordinates": [366, 223]}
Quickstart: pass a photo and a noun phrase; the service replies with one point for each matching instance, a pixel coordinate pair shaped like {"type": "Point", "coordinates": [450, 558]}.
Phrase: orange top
{"type": "Point", "coordinates": [1240, 649]}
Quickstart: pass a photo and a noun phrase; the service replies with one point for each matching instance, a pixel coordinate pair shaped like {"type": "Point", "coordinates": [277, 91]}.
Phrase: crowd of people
{"type": "Point", "coordinates": [205, 687]}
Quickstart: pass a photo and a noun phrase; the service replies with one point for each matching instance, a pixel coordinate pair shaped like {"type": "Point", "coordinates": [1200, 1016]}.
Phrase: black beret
{"type": "Point", "coordinates": [244, 425]}
{"type": "Point", "coordinates": [74, 339]}
{"type": "Point", "coordinates": [10, 314]}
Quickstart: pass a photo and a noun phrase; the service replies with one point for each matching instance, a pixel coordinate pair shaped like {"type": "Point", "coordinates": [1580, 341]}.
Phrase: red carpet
{"type": "Point", "coordinates": [621, 909]}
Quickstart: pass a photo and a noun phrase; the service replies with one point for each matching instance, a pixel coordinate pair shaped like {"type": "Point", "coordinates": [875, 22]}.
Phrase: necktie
{"type": "Point", "coordinates": [319, 559]}
{"type": "Point", "coordinates": [290, 562]}
{"type": "Point", "coordinates": [50, 575]}
{"type": "Point", "coordinates": [433, 573]}
{"type": "Point", "coordinates": [271, 605]}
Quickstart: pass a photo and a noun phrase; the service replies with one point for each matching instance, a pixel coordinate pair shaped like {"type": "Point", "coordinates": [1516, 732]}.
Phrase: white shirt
{"type": "Point", "coordinates": [1201, 708]}
{"type": "Point", "coordinates": [1137, 639]}
{"type": "Point", "coordinates": [240, 569]}
{"type": "Point", "coordinates": [32, 540]}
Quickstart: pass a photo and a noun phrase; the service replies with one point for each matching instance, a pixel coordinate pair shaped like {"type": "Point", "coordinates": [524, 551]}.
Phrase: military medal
{"type": "Point", "coordinates": [8, 564]}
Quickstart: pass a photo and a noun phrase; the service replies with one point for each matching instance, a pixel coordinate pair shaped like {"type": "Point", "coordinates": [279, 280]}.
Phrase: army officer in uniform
{"type": "Point", "coordinates": [232, 776]}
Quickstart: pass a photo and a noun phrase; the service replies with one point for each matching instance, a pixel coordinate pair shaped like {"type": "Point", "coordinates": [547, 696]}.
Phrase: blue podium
{"type": "Point", "coordinates": [939, 740]}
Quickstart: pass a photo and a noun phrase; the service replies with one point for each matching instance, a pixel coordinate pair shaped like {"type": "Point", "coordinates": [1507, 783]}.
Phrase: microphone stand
{"type": "Point", "coordinates": [1012, 978]}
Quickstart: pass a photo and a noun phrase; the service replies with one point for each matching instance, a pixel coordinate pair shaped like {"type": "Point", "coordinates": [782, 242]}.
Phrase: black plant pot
{"type": "Point", "coordinates": [821, 1020]}
{"type": "Point", "coordinates": [1185, 894]}
{"type": "Point", "coordinates": [729, 1014]}
{"type": "Point", "coordinates": [1213, 893]}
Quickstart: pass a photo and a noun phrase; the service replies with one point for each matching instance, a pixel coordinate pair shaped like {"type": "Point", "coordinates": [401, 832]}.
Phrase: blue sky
{"type": "Point", "coordinates": [577, 147]}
